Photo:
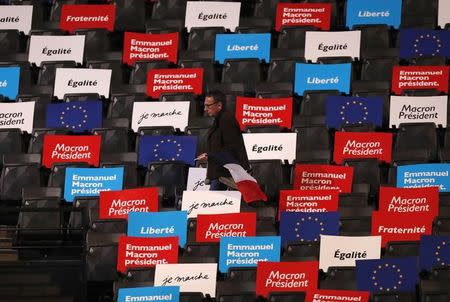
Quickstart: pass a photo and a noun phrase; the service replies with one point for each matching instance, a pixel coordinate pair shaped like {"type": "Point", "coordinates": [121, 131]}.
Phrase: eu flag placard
{"type": "Point", "coordinates": [347, 110]}
{"type": "Point", "coordinates": [167, 148]}
{"type": "Point", "coordinates": [387, 275]}
{"type": "Point", "coordinates": [300, 226]}
{"type": "Point", "coordinates": [76, 116]}
{"type": "Point", "coordinates": [434, 251]}
{"type": "Point", "coordinates": [424, 42]}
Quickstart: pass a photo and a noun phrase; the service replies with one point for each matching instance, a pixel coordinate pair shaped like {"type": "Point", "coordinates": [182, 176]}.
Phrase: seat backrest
{"type": "Point", "coordinates": [47, 71]}
{"type": "Point", "coordinates": [406, 138]}
{"type": "Point", "coordinates": [130, 15]}
{"type": "Point", "coordinates": [378, 69]}
{"type": "Point", "coordinates": [374, 36]}
{"type": "Point", "coordinates": [139, 70]}
{"type": "Point", "coordinates": [293, 37]}
{"type": "Point", "coordinates": [203, 38]}
{"type": "Point", "coordinates": [281, 71]}
{"type": "Point", "coordinates": [169, 9]}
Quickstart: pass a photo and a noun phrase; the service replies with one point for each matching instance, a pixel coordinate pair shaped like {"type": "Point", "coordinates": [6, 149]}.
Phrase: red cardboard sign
{"type": "Point", "coordinates": [136, 252]}
{"type": "Point", "coordinates": [420, 77]}
{"type": "Point", "coordinates": [150, 47]}
{"type": "Point", "coordinates": [211, 227]}
{"type": "Point", "coordinates": [69, 148]}
{"type": "Point", "coordinates": [400, 227]}
{"type": "Point", "coordinates": [308, 201]}
{"type": "Point", "coordinates": [264, 112]}
{"type": "Point", "coordinates": [117, 204]}
{"type": "Point", "coordinates": [189, 80]}
{"type": "Point", "coordinates": [349, 145]}
{"type": "Point", "coordinates": [303, 14]}
{"type": "Point", "coordinates": [77, 16]}
{"type": "Point", "coordinates": [424, 201]}
{"type": "Point", "coordinates": [323, 295]}
{"type": "Point", "coordinates": [323, 177]}
{"type": "Point", "coordinates": [286, 277]}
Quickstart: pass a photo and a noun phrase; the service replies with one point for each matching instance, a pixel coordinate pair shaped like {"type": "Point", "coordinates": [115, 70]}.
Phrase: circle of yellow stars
{"type": "Point", "coordinates": [73, 108]}
{"type": "Point", "coordinates": [436, 39]}
{"type": "Point", "coordinates": [316, 220]}
{"type": "Point", "coordinates": [177, 145]}
{"type": "Point", "coordinates": [376, 282]}
{"type": "Point", "coordinates": [354, 103]}
{"type": "Point", "coordinates": [441, 246]}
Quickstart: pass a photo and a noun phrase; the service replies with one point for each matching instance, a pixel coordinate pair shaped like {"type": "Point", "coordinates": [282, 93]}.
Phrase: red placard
{"type": "Point", "coordinates": [136, 252]}
{"type": "Point", "coordinates": [188, 80]}
{"type": "Point", "coordinates": [323, 177]}
{"type": "Point", "coordinates": [303, 14]}
{"type": "Point", "coordinates": [77, 16]}
{"type": "Point", "coordinates": [286, 277]}
{"type": "Point", "coordinates": [424, 201]}
{"type": "Point", "coordinates": [420, 77]}
{"type": "Point", "coordinates": [308, 201]}
{"type": "Point", "coordinates": [150, 47]}
{"type": "Point", "coordinates": [211, 227]}
{"type": "Point", "coordinates": [400, 227]}
{"type": "Point", "coordinates": [264, 112]}
{"type": "Point", "coordinates": [117, 204]}
{"type": "Point", "coordinates": [349, 145]}
{"type": "Point", "coordinates": [69, 148]}
{"type": "Point", "coordinates": [323, 295]}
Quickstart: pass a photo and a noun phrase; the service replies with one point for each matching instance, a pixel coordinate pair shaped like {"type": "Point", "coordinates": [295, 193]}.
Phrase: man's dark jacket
{"type": "Point", "coordinates": [225, 136]}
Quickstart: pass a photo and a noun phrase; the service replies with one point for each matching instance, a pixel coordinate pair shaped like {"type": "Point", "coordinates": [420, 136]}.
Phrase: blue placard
{"type": "Point", "coordinates": [242, 46]}
{"type": "Point", "coordinates": [374, 12]}
{"type": "Point", "coordinates": [158, 224]}
{"type": "Point", "coordinates": [248, 251]}
{"type": "Point", "coordinates": [156, 293]}
{"type": "Point", "coordinates": [322, 77]}
{"type": "Point", "coordinates": [91, 181]}
{"type": "Point", "coordinates": [424, 175]}
{"type": "Point", "coordinates": [9, 82]}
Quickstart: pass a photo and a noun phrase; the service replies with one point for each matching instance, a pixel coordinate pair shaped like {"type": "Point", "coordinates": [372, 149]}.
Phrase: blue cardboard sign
{"type": "Point", "coordinates": [248, 251]}
{"type": "Point", "coordinates": [9, 82]}
{"type": "Point", "coordinates": [156, 293]}
{"type": "Point", "coordinates": [322, 77]}
{"type": "Point", "coordinates": [91, 181]}
{"type": "Point", "coordinates": [424, 175]}
{"type": "Point", "coordinates": [242, 46]}
{"type": "Point", "coordinates": [374, 12]}
{"type": "Point", "coordinates": [158, 224]}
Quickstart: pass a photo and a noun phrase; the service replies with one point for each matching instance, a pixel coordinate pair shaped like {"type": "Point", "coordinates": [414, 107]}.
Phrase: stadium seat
{"type": "Point", "coordinates": [281, 70]}
{"type": "Point", "coordinates": [130, 15]}
{"type": "Point", "coordinates": [247, 72]}
{"type": "Point", "coordinates": [374, 37]}
{"type": "Point", "coordinates": [210, 72]}
{"type": "Point", "coordinates": [366, 172]}
{"type": "Point", "coordinates": [37, 138]}
{"type": "Point", "coordinates": [58, 173]}
{"type": "Point", "coordinates": [96, 42]}
{"type": "Point", "coordinates": [402, 249]}
{"type": "Point", "coordinates": [378, 68]}
{"type": "Point", "coordinates": [47, 71]}
{"type": "Point", "coordinates": [355, 226]}
{"type": "Point", "coordinates": [266, 8]}
{"type": "Point", "coordinates": [302, 251]}
{"type": "Point", "coordinates": [19, 171]}
{"type": "Point", "coordinates": [203, 38]}
{"type": "Point", "coordinates": [428, 61]}
{"type": "Point", "coordinates": [101, 256]}
{"type": "Point", "coordinates": [287, 297]}
{"type": "Point", "coordinates": [253, 25]}
{"type": "Point", "coordinates": [172, 176]}
{"type": "Point", "coordinates": [194, 104]}
{"type": "Point", "coordinates": [294, 37]}
{"type": "Point", "coordinates": [441, 226]}
{"type": "Point", "coordinates": [126, 160]}
{"type": "Point", "coordinates": [121, 105]}
{"type": "Point", "coordinates": [313, 144]}
{"type": "Point", "coordinates": [437, 289]}
{"type": "Point", "coordinates": [140, 69]}
{"type": "Point", "coordinates": [270, 176]}
{"type": "Point", "coordinates": [202, 137]}
{"type": "Point", "coordinates": [312, 110]}
{"type": "Point", "coordinates": [440, 273]}
{"type": "Point", "coordinates": [200, 252]}
{"type": "Point", "coordinates": [114, 135]}
{"type": "Point", "coordinates": [408, 147]}
{"type": "Point", "coordinates": [170, 9]}
{"type": "Point", "coordinates": [11, 141]}
{"type": "Point", "coordinates": [118, 76]}
{"type": "Point", "coordinates": [10, 42]}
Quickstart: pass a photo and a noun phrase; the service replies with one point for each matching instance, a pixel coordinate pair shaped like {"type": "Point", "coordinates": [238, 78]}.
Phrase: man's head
{"type": "Point", "coordinates": [214, 103]}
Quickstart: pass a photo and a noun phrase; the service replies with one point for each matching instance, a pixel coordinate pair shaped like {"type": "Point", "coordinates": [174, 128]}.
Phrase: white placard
{"type": "Point", "coordinates": [212, 13]}
{"type": "Point", "coordinates": [16, 17]}
{"type": "Point", "coordinates": [418, 109]}
{"type": "Point", "coordinates": [196, 180]}
{"type": "Point", "coordinates": [195, 277]}
{"type": "Point", "coordinates": [443, 13]}
{"type": "Point", "coordinates": [82, 80]}
{"type": "Point", "coordinates": [345, 250]}
{"type": "Point", "coordinates": [270, 146]}
{"type": "Point", "coordinates": [17, 115]}
{"type": "Point", "coordinates": [56, 48]}
{"type": "Point", "coordinates": [210, 202]}
{"type": "Point", "coordinates": [147, 114]}
{"type": "Point", "coordinates": [332, 44]}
